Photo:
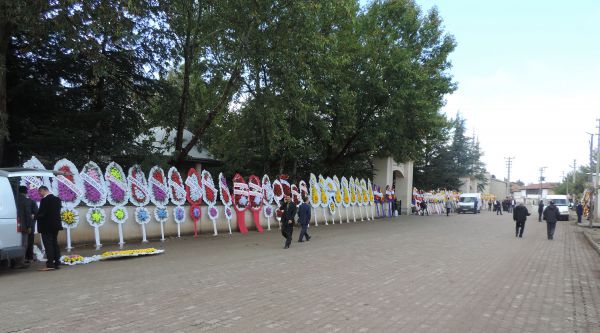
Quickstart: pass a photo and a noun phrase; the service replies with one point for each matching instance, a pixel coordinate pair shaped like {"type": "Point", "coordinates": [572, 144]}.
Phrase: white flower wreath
{"type": "Point", "coordinates": [142, 215]}
{"type": "Point", "coordinates": [179, 214]}
{"type": "Point", "coordinates": [96, 217]}
{"type": "Point", "coordinates": [140, 196]}
{"type": "Point", "coordinates": [160, 197]}
{"type": "Point", "coordinates": [119, 214]}
{"type": "Point", "coordinates": [176, 190]}
{"type": "Point", "coordinates": [114, 174]}
{"type": "Point", "coordinates": [161, 214]}
{"type": "Point", "coordinates": [62, 183]}
{"type": "Point", "coordinates": [89, 170]}
{"type": "Point", "coordinates": [69, 213]}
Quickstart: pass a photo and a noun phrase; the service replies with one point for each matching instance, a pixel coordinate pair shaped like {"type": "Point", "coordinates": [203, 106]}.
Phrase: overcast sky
{"type": "Point", "coordinates": [528, 76]}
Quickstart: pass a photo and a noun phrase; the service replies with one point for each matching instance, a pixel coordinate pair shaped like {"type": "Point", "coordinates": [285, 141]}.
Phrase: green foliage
{"type": "Point", "coordinates": [267, 86]}
{"type": "Point", "coordinates": [449, 156]}
{"type": "Point", "coordinates": [82, 87]}
{"type": "Point", "coordinates": [576, 186]}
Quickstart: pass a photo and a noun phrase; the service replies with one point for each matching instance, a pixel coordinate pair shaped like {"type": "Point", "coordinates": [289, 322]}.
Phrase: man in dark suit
{"type": "Point", "coordinates": [49, 225]}
{"type": "Point", "coordinates": [520, 214]}
{"type": "Point", "coordinates": [304, 219]}
{"type": "Point", "coordinates": [27, 209]}
{"type": "Point", "coordinates": [288, 209]}
{"type": "Point", "coordinates": [551, 215]}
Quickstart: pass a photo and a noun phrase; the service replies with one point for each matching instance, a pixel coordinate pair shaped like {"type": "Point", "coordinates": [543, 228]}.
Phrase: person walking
{"type": "Point", "coordinates": [27, 209]}
{"type": "Point", "coordinates": [551, 215]}
{"type": "Point", "coordinates": [288, 209]}
{"type": "Point", "coordinates": [448, 206]}
{"type": "Point", "coordinates": [304, 219]}
{"type": "Point", "coordinates": [498, 207]}
{"type": "Point", "coordinates": [520, 214]}
{"type": "Point", "coordinates": [513, 204]}
{"type": "Point", "coordinates": [540, 210]}
{"type": "Point", "coordinates": [489, 205]}
{"type": "Point", "coordinates": [579, 210]}
{"type": "Point", "coordinates": [49, 225]}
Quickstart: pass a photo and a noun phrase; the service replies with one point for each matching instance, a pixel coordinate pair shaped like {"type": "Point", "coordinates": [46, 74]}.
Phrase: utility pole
{"type": "Point", "coordinates": [541, 180]}
{"type": "Point", "coordinates": [574, 176]}
{"type": "Point", "coordinates": [566, 180]}
{"type": "Point", "coordinates": [595, 202]}
{"type": "Point", "coordinates": [509, 161]}
{"type": "Point", "coordinates": [590, 178]}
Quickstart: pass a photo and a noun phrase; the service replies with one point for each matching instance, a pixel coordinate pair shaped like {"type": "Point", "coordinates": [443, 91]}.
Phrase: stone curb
{"type": "Point", "coordinates": [591, 240]}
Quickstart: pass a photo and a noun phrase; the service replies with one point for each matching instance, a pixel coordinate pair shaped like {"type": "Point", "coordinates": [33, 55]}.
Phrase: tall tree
{"type": "Point", "coordinates": [16, 17]}
{"type": "Point", "coordinates": [83, 87]}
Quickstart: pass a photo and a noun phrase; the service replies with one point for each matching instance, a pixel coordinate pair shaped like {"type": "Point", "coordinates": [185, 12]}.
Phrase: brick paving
{"type": "Point", "coordinates": [464, 273]}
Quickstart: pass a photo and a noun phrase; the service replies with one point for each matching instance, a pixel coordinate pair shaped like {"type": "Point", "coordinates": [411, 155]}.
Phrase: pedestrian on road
{"type": "Point", "coordinates": [304, 219]}
{"type": "Point", "coordinates": [551, 215]}
{"type": "Point", "coordinates": [475, 204]}
{"type": "Point", "coordinates": [579, 210]}
{"type": "Point", "coordinates": [49, 225]}
{"type": "Point", "coordinates": [489, 205]}
{"type": "Point", "coordinates": [448, 206]}
{"type": "Point", "coordinates": [27, 209]}
{"type": "Point", "coordinates": [520, 214]}
{"type": "Point", "coordinates": [540, 210]}
{"type": "Point", "coordinates": [498, 207]}
{"type": "Point", "coordinates": [424, 209]}
{"type": "Point", "coordinates": [513, 203]}
{"type": "Point", "coordinates": [288, 209]}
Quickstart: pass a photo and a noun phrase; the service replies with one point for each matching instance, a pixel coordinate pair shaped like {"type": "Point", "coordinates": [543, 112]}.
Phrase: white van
{"type": "Point", "coordinates": [466, 203]}
{"type": "Point", "coordinates": [561, 202]}
{"type": "Point", "coordinates": [10, 239]}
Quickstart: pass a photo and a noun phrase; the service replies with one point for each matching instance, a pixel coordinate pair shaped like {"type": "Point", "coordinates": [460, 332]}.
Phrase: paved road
{"type": "Point", "coordinates": [464, 273]}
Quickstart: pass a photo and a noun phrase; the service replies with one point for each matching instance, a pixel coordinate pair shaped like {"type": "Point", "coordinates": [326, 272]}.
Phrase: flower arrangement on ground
{"type": "Point", "coordinates": [130, 253]}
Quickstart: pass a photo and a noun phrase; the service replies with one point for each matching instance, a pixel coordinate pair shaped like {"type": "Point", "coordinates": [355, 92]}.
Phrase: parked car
{"type": "Point", "coordinates": [11, 247]}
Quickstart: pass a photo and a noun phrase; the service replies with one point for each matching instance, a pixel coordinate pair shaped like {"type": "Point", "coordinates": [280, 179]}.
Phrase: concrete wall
{"type": "Point", "coordinates": [132, 231]}
{"type": "Point", "coordinates": [389, 172]}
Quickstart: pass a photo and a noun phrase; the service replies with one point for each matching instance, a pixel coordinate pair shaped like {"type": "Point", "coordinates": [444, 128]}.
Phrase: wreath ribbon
{"type": "Point", "coordinates": [95, 184]}
{"type": "Point", "coordinates": [193, 184]}
{"type": "Point", "coordinates": [157, 183]}
{"type": "Point", "coordinates": [120, 184]}
{"type": "Point", "coordinates": [68, 183]}
{"type": "Point", "coordinates": [139, 184]}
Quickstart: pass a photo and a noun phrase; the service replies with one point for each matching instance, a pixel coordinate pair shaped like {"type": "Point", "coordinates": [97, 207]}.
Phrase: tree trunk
{"type": "Point", "coordinates": [199, 132]}
{"type": "Point", "coordinates": [4, 43]}
{"type": "Point", "coordinates": [187, 66]}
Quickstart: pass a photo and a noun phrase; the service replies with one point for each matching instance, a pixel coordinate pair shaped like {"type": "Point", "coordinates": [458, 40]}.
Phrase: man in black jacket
{"type": "Point", "coordinates": [287, 219]}
{"type": "Point", "coordinates": [540, 210]}
{"type": "Point", "coordinates": [49, 225]}
{"type": "Point", "coordinates": [520, 214]}
{"type": "Point", "coordinates": [304, 219]}
{"type": "Point", "coordinates": [27, 209]}
{"type": "Point", "coordinates": [551, 215]}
